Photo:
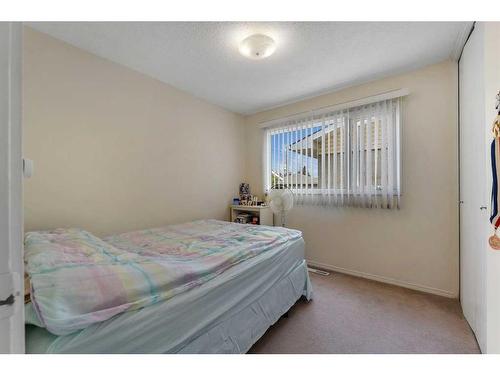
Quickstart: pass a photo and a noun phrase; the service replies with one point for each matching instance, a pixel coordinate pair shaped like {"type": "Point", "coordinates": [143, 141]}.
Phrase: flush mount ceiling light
{"type": "Point", "coordinates": [257, 46]}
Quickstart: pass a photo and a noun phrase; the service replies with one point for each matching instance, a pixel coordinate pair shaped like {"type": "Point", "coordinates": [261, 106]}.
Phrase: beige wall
{"type": "Point", "coordinates": [115, 150]}
{"type": "Point", "coordinates": [416, 246]}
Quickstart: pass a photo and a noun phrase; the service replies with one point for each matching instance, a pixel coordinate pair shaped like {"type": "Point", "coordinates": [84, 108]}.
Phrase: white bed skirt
{"type": "Point", "coordinates": [238, 333]}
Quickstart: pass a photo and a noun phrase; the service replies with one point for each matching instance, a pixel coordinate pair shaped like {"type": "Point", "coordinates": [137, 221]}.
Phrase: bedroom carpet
{"type": "Point", "coordinates": [354, 315]}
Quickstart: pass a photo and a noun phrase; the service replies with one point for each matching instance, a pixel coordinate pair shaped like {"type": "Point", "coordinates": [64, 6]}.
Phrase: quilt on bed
{"type": "Point", "coordinates": [78, 279]}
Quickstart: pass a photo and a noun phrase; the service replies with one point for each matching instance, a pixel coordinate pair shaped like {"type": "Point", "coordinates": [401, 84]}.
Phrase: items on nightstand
{"type": "Point", "coordinates": [250, 201]}
{"type": "Point", "coordinates": [243, 218]}
{"type": "Point", "coordinates": [259, 215]}
{"type": "Point", "coordinates": [247, 218]}
{"type": "Point", "coordinates": [247, 199]}
{"type": "Point", "coordinates": [244, 191]}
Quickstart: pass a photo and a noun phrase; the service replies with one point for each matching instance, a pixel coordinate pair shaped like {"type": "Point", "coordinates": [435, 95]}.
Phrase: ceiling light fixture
{"type": "Point", "coordinates": [257, 46]}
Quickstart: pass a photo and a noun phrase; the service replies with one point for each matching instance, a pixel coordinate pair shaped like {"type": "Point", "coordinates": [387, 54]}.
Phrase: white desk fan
{"type": "Point", "coordinates": [281, 201]}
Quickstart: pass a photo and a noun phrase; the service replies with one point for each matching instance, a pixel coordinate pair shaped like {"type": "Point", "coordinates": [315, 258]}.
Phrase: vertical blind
{"type": "Point", "coordinates": [346, 157]}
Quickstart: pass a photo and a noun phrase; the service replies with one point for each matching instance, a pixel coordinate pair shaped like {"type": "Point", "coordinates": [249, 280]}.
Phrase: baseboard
{"type": "Point", "coordinates": [383, 279]}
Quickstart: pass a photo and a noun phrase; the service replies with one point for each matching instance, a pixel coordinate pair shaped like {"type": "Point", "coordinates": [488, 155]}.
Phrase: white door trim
{"type": "Point", "coordinates": [11, 218]}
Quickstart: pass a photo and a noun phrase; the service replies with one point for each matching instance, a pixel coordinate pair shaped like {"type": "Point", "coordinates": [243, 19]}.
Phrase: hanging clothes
{"type": "Point", "coordinates": [495, 169]}
{"type": "Point", "coordinates": [494, 240]}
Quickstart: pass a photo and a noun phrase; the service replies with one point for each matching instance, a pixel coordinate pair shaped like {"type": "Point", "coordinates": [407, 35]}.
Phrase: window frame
{"type": "Point", "coordinates": [344, 191]}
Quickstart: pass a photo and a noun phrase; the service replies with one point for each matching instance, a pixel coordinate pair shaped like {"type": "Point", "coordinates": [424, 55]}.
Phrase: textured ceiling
{"type": "Point", "coordinates": [202, 58]}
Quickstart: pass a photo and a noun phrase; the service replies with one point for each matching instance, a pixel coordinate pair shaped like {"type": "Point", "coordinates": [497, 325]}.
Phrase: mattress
{"type": "Point", "coordinates": [227, 314]}
{"type": "Point", "coordinates": [78, 279]}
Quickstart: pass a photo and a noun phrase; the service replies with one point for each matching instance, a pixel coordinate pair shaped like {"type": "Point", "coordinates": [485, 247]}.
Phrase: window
{"type": "Point", "coordinates": [344, 157]}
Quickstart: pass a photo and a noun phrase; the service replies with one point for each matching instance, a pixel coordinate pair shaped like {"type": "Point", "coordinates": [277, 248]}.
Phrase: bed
{"type": "Point", "coordinates": [206, 286]}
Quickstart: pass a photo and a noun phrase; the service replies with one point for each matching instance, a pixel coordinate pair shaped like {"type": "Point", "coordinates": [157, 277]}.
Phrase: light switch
{"type": "Point", "coordinates": [28, 168]}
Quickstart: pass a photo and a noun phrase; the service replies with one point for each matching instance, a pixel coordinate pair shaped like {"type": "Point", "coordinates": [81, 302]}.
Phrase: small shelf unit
{"type": "Point", "coordinates": [264, 213]}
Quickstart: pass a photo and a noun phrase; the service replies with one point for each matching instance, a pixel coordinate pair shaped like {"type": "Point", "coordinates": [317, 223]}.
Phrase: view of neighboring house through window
{"type": "Point", "coordinates": [349, 156]}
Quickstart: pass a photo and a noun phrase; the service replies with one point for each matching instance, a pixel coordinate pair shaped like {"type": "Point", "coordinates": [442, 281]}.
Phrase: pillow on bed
{"type": "Point", "coordinates": [54, 262]}
{"type": "Point", "coordinates": [46, 249]}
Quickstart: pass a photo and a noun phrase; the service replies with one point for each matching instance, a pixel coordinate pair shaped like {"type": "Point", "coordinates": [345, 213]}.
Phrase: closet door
{"type": "Point", "coordinates": [473, 190]}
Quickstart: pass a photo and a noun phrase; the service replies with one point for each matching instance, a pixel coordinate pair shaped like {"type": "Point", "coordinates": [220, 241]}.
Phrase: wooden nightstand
{"type": "Point", "coordinates": [264, 213]}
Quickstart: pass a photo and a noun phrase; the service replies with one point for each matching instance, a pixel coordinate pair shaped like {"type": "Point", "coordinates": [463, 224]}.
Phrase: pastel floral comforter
{"type": "Point", "coordinates": [78, 279]}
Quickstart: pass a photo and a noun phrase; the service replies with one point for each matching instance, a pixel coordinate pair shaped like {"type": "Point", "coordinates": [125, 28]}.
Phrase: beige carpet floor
{"type": "Point", "coordinates": [354, 315]}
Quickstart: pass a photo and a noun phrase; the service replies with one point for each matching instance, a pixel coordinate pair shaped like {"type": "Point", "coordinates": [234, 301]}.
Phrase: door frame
{"type": "Point", "coordinates": [11, 166]}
